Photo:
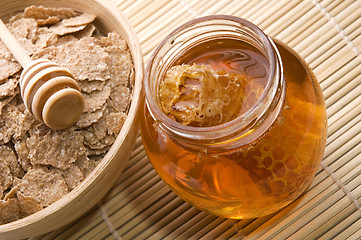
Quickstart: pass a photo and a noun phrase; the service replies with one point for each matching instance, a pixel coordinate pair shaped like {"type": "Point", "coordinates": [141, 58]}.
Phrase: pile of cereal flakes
{"type": "Point", "coordinates": [40, 165]}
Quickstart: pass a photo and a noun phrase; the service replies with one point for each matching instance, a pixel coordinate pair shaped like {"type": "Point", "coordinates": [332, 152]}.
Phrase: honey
{"type": "Point", "coordinates": [262, 157]}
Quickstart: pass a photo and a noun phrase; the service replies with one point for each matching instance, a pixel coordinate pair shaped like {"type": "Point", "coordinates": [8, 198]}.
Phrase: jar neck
{"type": "Point", "coordinates": [248, 126]}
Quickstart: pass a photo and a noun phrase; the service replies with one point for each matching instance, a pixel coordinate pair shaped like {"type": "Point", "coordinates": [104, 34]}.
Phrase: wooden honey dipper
{"type": "Point", "coordinates": [49, 91]}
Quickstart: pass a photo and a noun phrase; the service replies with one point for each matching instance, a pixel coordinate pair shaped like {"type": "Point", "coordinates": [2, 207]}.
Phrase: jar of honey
{"type": "Point", "coordinates": [234, 121]}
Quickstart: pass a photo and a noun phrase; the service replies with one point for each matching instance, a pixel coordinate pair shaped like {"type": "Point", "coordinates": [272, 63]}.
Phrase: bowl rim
{"type": "Point", "coordinates": [136, 99]}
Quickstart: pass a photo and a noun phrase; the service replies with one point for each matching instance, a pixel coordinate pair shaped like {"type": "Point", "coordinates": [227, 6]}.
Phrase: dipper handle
{"type": "Point", "coordinates": [49, 91]}
{"type": "Point", "coordinates": [13, 45]}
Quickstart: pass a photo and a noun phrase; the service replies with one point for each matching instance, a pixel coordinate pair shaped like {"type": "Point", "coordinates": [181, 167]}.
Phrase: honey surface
{"type": "Point", "coordinates": [265, 175]}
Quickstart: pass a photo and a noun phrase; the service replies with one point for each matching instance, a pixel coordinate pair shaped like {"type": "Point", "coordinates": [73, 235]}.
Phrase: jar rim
{"type": "Point", "coordinates": [171, 124]}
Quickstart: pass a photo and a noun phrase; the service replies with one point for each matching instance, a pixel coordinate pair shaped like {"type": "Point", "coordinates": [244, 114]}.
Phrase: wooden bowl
{"type": "Point", "coordinates": [99, 182]}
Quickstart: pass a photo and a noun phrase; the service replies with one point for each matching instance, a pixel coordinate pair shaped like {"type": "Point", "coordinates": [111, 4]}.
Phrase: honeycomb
{"type": "Point", "coordinates": [197, 95]}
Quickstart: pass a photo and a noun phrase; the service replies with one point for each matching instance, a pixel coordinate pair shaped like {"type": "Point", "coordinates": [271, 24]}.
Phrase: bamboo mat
{"type": "Point", "coordinates": [328, 35]}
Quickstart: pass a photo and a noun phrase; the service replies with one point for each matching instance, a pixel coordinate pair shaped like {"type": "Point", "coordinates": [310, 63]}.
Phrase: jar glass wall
{"type": "Point", "coordinates": [261, 160]}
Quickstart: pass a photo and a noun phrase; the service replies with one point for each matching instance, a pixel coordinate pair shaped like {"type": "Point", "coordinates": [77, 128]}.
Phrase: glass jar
{"type": "Point", "coordinates": [263, 159]}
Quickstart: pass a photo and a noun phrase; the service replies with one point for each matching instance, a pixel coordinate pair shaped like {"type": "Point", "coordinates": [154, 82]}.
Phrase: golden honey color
{"type": "Point", "coordinates": [259, 177]}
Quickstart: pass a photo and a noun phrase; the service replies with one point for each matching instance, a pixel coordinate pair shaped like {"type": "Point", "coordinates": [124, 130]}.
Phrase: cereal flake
{"type": "Point", "coordinates": [56, 148]}
{"type": "Point", "coordinates": [40, 165]}
{"type": "Point", "coordinates": [73, 176]}
{"type": "Point", "coordinates": [120, 98]}
{"type": "Point", "coordinates": [40, 12]}
{"type": "Point", "coordinates": [43, 186]}
{"type": "Point", "coordinates": [9, 210]}
{"type": "Point", "coordinates": [90, 58]}
{"type": "Point", "coordinates": [81, 20]}
{"type": "Point", "coordinates": [15, 123]}
{"type": "Point", "coordinates": [28, 205]}
{"type": "Point", "coordinates": [51, 20]}
{"type": "Point", "coordinates": [9, 88]}
{"type": "Point", "coordinates": [96, 99]}
{"type": "Point", "coordinates": [86, 32]}
{"type": "Point", "coordinates": [88, 118]}
{"type": "Point", "coordinates": [90, 86]}
{"type": "Point", "coordinates": [60, 29]}
{"type": "Point", "coordinates": [8, 68]}
{"type": "Point", "coordinates": [22, 152]}
{"type": "Point", "coordinates": [115, 121]}
{"type": "Point", "coordinates": [9, 159]}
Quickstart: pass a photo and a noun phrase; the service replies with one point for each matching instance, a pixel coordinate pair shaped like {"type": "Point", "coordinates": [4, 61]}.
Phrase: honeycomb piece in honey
{"type": "Point", "coordinates": [197, 95]}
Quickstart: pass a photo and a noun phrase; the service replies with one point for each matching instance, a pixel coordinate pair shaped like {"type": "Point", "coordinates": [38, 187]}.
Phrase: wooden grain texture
{"type": "Point", "coordinates": [327, 34]}
{"type": "Point", "coordinates": [99, 182]}
{"type": "Point", "coordinates": [12, 44]}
